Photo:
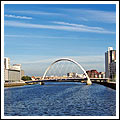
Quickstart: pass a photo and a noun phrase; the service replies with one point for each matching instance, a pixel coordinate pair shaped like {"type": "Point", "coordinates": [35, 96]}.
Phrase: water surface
{"type": "Point", "coordinates": [60, 99]}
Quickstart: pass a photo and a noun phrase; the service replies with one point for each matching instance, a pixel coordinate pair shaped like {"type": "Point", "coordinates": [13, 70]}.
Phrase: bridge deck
{"type": "Point", "coordinates": [69, 80]}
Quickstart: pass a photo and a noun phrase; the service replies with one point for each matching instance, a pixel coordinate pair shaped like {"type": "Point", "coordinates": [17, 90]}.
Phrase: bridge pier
{"type": "Point", "coordinates": [42, 83]}
{"type": "Point", "coordinates": [89, 82]}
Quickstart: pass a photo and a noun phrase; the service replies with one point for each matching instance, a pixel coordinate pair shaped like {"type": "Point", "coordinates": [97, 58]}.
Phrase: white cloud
{"type": "Point", "coordinates": [19, 17]}
{"type": "Point", "coordinates": [72, 27]}
{"type": "Point", "coordinates": [51, 37]}
{"type": "Point", "coordinates": [78, 14]}
{"type": "Point", "coordinates": [91, 15]}
{"type": "Point", "coordinates": [38, 36]}
{"type": "Point", "coordinates": [36, 12]}
{"type": "Point", "coordinates": [103, 16]}
{"type": "Point", "coordinates": [79, 26]}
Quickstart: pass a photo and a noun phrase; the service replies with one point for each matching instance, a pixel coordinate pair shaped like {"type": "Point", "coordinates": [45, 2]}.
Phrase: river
{"type": "Point", "coordinates": [60, 99]}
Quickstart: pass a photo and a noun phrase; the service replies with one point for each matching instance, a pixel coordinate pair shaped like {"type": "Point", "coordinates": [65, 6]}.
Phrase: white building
{"type": "Point", "coordinates": [82, 76]}
{"type": "Point", "coordinates": [6, 63]}
{"type": "Point", "coordinates": [16, 67]}
{"type": "Point", "coordinates": [6, 75]}
{"type": "Point", "coordinates": [110, 59]}
{"type": "Point", "coordinates": [12, 73]}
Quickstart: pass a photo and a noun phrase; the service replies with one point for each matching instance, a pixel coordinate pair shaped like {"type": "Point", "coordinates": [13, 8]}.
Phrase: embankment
{"type": "Point", "coordinates": [108, 84]}
{"type": "Point", "coordinates": [14, 84]}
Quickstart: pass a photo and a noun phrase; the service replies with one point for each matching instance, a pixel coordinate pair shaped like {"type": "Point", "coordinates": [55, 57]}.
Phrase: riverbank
{"type": "Point", "coordinates": [108, 84]}
{"type": "Point", "coordinates": [14, 84]}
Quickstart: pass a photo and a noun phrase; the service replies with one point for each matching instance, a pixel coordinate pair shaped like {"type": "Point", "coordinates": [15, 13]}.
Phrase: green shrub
{"type": "Point", "coordinates": [26, 78]}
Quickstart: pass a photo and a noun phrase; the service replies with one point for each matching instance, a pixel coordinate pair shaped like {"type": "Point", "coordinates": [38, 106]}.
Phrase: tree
{"type": "Point", "coordinates": [26, 78]}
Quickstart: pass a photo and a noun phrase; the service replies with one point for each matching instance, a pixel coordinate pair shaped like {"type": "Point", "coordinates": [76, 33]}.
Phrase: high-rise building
{"type": "Point", "coordinates": [7, 63]}
{"type": "Point", "coordinates": [110, 62]}
{"type": "Point", "coordinates": [113, 70]}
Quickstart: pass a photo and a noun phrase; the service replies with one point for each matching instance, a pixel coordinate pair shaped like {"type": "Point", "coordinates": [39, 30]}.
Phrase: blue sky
{"type": "Point", "coordinates": [38, 34]}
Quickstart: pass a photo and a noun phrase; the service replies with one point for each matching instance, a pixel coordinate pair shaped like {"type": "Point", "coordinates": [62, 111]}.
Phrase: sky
{"type": "Point", "coordinates": [35, 35]}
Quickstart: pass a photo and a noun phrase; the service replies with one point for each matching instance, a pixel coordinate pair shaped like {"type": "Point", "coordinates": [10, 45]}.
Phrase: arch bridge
{"type": "Point", "coordinates": [88, 82]}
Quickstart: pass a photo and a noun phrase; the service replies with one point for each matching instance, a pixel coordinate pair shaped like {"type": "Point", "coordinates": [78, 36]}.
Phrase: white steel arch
{"type": "Point", "coordinates": [73, 61]}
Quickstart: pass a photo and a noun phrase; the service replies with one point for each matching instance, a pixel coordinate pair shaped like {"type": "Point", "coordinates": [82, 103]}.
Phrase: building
{"type": "Point", "coordinates": [6, 75]}
{"type": "Point", "coordinates": [16, 67]}
{"type": "Point", "coordinates": [110, 63]}
{"type": "Point", "coordinates": [6, 63]}
{"type": "Point", "coordinates": [22, 73]}
{"type": "Point", "coordinates": [33, 78]}
{"type": "Point", "coordinates": [12, 73]}
{"type": "Point", "coordinates": [92, 73]}
{"type": "Point", "coordinates": [72, 75]}
{"type": "Point", "coordinates": [82, 76]}
{"type": "Point", "coordinates": [113, 70]}
{"type": "Point", "coordinates": [101, 75]}
{"type": "Point", "coordinates": [95, 74]}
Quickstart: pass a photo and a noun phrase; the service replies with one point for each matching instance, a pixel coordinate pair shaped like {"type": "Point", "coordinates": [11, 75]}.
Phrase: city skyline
{"type": "Point", "coordinates": [37, 34]}
{"type": "Point", "coordinates": [60, 59]}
